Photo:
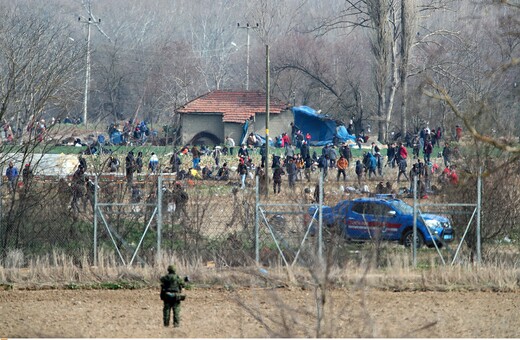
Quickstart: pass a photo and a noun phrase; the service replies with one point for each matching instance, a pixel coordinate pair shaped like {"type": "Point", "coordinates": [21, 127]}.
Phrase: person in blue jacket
{"type": "Point", "coordinates": [372, 165]}
{"type": "Point", "coordinates": [12, 175]}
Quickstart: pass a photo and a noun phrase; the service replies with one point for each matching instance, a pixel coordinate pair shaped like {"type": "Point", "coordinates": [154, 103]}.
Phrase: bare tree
{"type": "Point", "coordinates": [40, 62]}
{"type": "Point", "coordinates": [408, 28]}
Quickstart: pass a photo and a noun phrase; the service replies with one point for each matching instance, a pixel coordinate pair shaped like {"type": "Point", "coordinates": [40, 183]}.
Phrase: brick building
{"type": "Point", "coordinates": [209, 118]}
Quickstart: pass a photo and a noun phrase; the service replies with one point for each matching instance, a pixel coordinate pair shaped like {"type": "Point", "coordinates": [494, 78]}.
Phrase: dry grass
{"type": "Point", "coordinates": [59, 271]}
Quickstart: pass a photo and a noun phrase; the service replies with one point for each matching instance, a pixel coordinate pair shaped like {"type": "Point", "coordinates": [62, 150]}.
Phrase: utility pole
{"type": "Point", "coordinates": [88, 22]}
{"type": "Point", "coordinates": [267, 103]}
{"type": "Point", "coordinates": [247, 27]}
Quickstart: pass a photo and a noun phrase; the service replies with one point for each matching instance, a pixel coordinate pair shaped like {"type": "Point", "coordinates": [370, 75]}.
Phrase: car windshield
{"type": "Point", "coordinates": [402, 207]}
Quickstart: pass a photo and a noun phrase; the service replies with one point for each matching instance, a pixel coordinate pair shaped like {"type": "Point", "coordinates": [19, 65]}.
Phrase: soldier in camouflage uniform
{"type": "Point", "coordinates": [171, 287]}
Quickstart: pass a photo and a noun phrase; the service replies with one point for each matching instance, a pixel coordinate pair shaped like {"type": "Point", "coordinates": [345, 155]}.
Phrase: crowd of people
{"type": "Point", "coordinates": [294, 160]}
{"type": "Point", "coordinates": [298, 163]}
{"type": "Point", "coordinates": [34, 128]}
{"type": "Point", "coordinates": [131, 132]}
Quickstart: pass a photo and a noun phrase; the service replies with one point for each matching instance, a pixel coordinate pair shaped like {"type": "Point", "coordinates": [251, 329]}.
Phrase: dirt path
{"type": "Point", "coordinates": [213, 313]}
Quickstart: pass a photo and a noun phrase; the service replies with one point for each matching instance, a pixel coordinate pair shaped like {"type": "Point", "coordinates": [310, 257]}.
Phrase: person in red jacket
{"type": "Point", "coordinates": [458, 132]}
{"type": "Point", "coordinates": [403, 152]}
{"type": "Point", "coordinates": [286, 140]}
{"type": "Point", "coordinates": [453, 176]}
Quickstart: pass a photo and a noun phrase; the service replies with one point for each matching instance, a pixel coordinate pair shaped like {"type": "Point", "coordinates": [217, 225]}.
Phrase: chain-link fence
{"type": "Point", "coordinates": [154, 215]}
{"type": "Point", "coordinates": [207, 222]}
{"type": "Point", "coordinates": [36, 219]}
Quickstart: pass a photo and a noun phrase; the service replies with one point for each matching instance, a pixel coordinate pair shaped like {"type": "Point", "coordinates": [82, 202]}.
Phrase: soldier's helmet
{"type": "Point", "coordinates": [171, 269]}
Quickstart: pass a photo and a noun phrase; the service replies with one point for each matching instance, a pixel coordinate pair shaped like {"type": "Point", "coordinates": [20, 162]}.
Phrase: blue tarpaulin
{"type": "Point", "coordinates": [322, 128]}
{"type": "Point", "coordinates": [244, 132]}
{"type": "Point", "coordinates": [343, 135]}
{"type": "Point", "coordinates": [262, 140]}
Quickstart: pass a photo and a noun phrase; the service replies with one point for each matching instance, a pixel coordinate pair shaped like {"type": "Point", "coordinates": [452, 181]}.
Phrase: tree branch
{"type": "Point", "coordinates": [443, 95]}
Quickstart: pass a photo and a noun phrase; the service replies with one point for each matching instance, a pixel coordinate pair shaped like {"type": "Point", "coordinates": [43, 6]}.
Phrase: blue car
{"type": "Point", "coordinates": [384, 218]}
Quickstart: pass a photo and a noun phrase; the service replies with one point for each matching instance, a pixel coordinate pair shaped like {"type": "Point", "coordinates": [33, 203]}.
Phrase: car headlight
{"type": "Point", "coordinates": [432, 225]}
{"type": "Point", "coordinates": [446, 225]}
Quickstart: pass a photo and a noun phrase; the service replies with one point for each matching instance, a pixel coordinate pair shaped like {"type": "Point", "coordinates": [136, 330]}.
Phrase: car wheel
{"type": "Point", "coordinates": [408, 237]}
{"type": "Point", "coordinates": [439, 245]}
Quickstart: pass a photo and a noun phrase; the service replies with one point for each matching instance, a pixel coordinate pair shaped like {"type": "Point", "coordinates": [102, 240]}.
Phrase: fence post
{"type": "Point", "coordinates": [159, 216]}
{"type": "Point", "coordinates": [320, 219]}
{"type": "Point", "coordinates": [95, 217]}
{"type": "Point", "coordinates": [257, 220]}
{"type": "Point", "coordinates": [479, 203]}
{"type": "Point", "coordinates": [414, 245]}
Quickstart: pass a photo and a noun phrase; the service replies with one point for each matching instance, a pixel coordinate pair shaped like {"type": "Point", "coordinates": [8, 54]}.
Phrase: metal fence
{"type": "Point", "coordinates": [157, 214]}
{"type": "Point", "coordinates": [154, 214]}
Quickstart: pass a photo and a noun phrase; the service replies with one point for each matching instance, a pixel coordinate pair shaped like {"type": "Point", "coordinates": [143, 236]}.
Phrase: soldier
{"type": "Point", "coordinates": [171, 288]}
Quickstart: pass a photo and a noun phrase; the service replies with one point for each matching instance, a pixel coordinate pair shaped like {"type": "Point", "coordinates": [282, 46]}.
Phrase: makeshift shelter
{"type": "Point", "coordinates": [322, 128]}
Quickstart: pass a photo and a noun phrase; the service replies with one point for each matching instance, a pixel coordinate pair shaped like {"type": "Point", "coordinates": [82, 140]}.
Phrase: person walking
{"type": "Point", "coordinates": [372, 165]}
{"type": "Point", "coordinates": [277, 178]}
{"type": "Point", "coordinates": [195, 154]}
{"type": "Point", "coordinates": [427, 151]}
{"type": "Point", "coordinates": [308, 168]}
{"type": "Point", "coordinates": [171, 289]}
{"type": "Point", "coordinates": [402, 169]}
{"type": "Point", "coordinates": [175, 162]}
{"type": "Point", "coordinates": [390, 154]}
{"type": "Point", "coordinates": [242, 171]}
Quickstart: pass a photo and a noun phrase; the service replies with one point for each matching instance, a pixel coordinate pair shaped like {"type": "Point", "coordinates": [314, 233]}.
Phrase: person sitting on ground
{"type": "Point", "coordinates": [223, 173]}
{"type": "Point", "coordinates": [207, 173]}
{"type": "Point", "coordinates": [389, 189]}
{"type": "Point", "coordinates": [380, 188]}
{"type": "Point", "coordinates": [195, 173]}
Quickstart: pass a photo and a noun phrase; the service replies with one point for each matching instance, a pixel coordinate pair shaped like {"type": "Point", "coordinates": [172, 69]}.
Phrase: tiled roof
{"type": "Point", "coordinates": [235, 106]}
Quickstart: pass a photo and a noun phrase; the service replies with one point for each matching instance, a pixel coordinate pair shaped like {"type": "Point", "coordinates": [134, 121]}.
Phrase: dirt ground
{"type": "Point", "coordinates": [215, 313]}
